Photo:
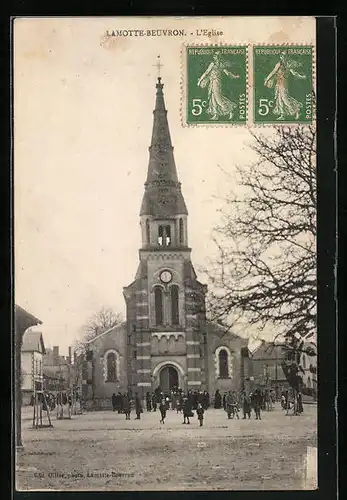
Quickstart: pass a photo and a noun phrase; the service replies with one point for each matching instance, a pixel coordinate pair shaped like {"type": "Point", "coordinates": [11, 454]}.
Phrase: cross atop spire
{"type": "Point", "coordinates": [159, 66]}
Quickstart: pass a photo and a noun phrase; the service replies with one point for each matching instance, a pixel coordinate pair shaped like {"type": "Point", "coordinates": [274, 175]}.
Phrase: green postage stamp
{"type": "Point", "coordinates": [282, 84]}
{"type": "Point", "coordinates": [216, 85]}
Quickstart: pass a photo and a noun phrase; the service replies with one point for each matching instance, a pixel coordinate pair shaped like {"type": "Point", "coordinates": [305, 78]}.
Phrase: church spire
{"type": "Point", "coordinates": [163, 196]}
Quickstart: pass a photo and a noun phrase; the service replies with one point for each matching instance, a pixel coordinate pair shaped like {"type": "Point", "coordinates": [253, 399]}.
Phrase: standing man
{"type": "Point", "coordinates": [200, 412]}
{"type": "Point", "coordinates": [229, 404]}
{"type": "Point", "coordinates": [179, 403]}
{"type": "Point", "coordinates": [148, 401]}
{"type": "Point", "coordinates": [187, 410]}
{"type": "Point", "coordinates": [114, 402]}
{"type": "Point", "coordinates": [138, 406]}
{"type": "Point", "coordinates": [120, 402]}
{"type": "Point", "coordinates": [162, 409]}
{"type": "Point", "coordinates": [246, 405]}
{"type": "Point", "coordinates": [217, 400]}
{"type": "Point", "coordinates": [257, 402]}
{"type": "Point", "coordinates": [126, 406]}
{"type": "Point", "coordinates": [173, 399]}
{"type": "Point", "coordinates": [300, 408]}
{"type": "Point", "coordinates": [154, 401]}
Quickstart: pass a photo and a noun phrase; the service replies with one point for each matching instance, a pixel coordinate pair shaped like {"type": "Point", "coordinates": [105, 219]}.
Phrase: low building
{"type": "Point", "coordinates": [22, 320]}
{"type": "Point", "coordinates": [265, 370]}
{"type": "Point", "coordinates": [32, 352]}
{"type": "Point", "coordinates": [56, 370]}
{"type": "Point", "coordinates": [109, 360]}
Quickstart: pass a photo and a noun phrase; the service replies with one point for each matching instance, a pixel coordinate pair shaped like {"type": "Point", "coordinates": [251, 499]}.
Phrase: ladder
{"type": "Point", "coordinates": [40, 405]}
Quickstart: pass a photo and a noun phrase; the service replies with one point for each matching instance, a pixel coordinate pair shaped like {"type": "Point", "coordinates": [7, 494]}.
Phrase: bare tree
{"type": "Point", "coordinates": [265, 271]}
{"type": "Point", "coordinates": [99, 322]}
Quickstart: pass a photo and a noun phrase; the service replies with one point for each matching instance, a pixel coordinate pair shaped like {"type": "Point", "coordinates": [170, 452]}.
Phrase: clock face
{"type": "Point", "coordinates": [166, 276]}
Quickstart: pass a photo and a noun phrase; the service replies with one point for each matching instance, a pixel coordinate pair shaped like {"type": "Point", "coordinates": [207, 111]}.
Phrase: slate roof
{"type": "Point", "coordinates": [33, 341]}
{"type": "Point", "coordinates": [163, 197]}
{"type": "Point", "coordinates": [121, 327]}
{"type": "Point", "coordinates": [266, 350]}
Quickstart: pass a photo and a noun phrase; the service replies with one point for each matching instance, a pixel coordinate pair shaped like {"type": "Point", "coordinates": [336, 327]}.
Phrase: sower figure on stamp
{"type": "Point", "coordinates": [218, 104]}
{"type": "Point", "coordinates": [285, 104]}
{"type": "Point", "coordinates": [200, 413]}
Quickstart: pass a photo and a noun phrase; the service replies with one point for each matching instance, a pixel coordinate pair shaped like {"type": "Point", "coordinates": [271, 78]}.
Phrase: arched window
{"type": "Point", "coordinates": [181, 232]}
{"type": "Point", "coordinates": [111, 367]}
{"type": "Point", "coordinates": [164, 236]}
{"type": "Point", "coordinates": [167, 236]}
{"type": "Point", "coordinates": [174, 305]}
{"type": "Point", "coordinates": [158, 300]}
{"type": "Point", "coordinates": [223, 364]}
{"type": "Point", "coordinates": [161, 236]}
{"type": "Point", "coordinates": [148, 234]}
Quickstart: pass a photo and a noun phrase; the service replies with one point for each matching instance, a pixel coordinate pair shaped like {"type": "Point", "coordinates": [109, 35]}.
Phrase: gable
{"type": "Point", "coordinates": [266, 350]}
{"type": "Point", "coordinates": [111, 331]}
{"type": "Point", "coordinates": [224, 333]}
{"type": "Point", "coordinates": [33, 342]}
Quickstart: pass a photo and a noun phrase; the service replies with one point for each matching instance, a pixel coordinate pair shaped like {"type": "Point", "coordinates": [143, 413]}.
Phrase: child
{"type": "Point", "coordinates": [200, 413]}
{"type": "Point", "coordinates": [162, 409]}
{"type": "Point", "coordinates": [126, 407]}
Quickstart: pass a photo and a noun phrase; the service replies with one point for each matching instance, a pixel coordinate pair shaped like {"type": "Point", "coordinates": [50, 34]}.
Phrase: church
{"type": "Point", "coordinates": [166, 339]}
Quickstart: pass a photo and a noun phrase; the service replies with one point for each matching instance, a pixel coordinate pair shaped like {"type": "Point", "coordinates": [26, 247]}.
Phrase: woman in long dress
{"type": "Point", "coordinates": [285, 104]}
{"type": "Point", "coordinates": [218, 104]}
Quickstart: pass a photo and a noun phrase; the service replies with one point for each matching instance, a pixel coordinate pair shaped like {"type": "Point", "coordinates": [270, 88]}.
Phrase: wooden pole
{"type": "Point", "coordinates": [18, 388]}
{"type": "Point", "coordinates": [34, 416]}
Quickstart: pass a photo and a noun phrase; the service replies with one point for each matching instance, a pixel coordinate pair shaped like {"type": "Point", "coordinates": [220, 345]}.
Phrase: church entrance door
{"type": "Point", "coordinates": [168, 378]}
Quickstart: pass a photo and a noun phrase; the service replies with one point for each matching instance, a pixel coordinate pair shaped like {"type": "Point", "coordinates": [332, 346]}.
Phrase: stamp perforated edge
{"type": "Point", "coordinates": [183, 88]}
{"type": "Point", "coordinates": [251, 85]}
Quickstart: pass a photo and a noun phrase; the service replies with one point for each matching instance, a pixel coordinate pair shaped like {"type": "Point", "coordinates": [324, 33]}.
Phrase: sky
{"type": "Point", "coordinates": [82, 127]}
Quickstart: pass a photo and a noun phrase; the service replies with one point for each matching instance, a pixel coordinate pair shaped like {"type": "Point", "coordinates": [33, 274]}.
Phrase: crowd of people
{"type": "Point", "coordinates": [175, 400]}
{"type": "Point", "coordinates": [289, 402]}
{"type": "Point", "coordinates": [55, 399]}
{"type": "Point", "coordinates": [233, 402]}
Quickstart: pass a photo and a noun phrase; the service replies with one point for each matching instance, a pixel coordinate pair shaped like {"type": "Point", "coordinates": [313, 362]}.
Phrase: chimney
{"type": "Point", "coordinates": [56, 355]}
{"type": "Point", "coordinates": [70, 355]}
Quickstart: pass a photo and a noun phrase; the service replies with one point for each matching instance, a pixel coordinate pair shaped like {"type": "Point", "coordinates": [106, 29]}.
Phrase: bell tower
{"type": "Point", "coordinates": [163, 211]}
{"type": "Point", "coordinates": [165, 303]}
